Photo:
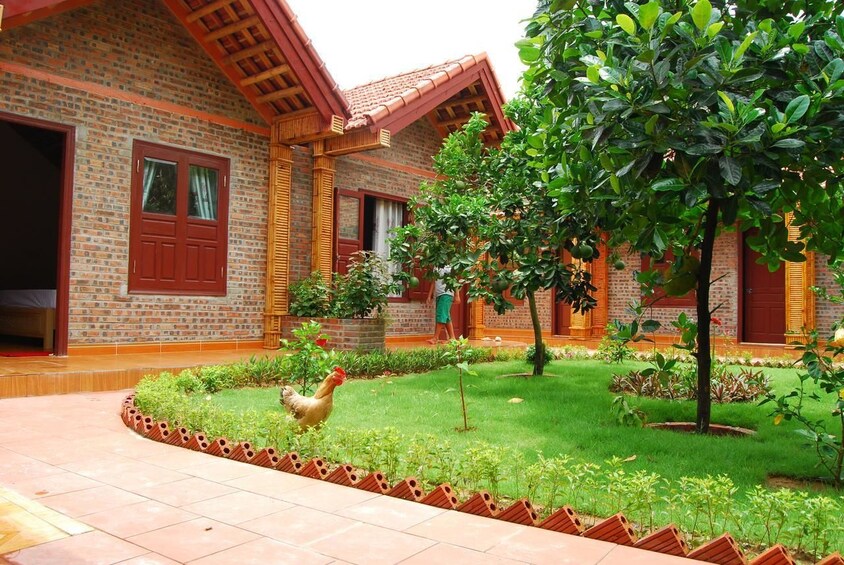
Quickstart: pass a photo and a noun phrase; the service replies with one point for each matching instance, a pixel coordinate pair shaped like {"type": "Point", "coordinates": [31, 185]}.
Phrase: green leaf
{"type": "Point", "coordinates": [777, 127]}
{"type": "Point", "coordinates": [796, 108]}
{"type": "Point", "coordinates": [833, 70]}
{"type": "Point", "coordinates": [744, 45]}
{"type": "Point", "coordinates": [727, 102]}
{"type": "Point", "coordinates": [592, 74]}
{"type": "Point", "coordinates": [790, 143]}
{"type": "Point", "coordinates": [713, 29]}
{"type": "Point", "coordinates": [701, 14]}
{"type": "Point", "coordinates": [796, 30]}
{"type": "Point", "coordinates": [648, 14]}
{"type": "Point", "coordinates": [528, 51]}
{"type": "Point", "coordinates": [626, 23]}
{"type": "Point", "coordinates": [730, 170]}
{"type": "Point", "coordinates": [668, 185]}
{"type": "Point", "coordinates": [650, 125]}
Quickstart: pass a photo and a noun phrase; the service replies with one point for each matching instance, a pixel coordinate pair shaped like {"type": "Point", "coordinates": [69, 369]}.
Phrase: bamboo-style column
{"type": "Point", "coordinates": [799, 298]}
{"type": "Point", "coordinates": [278, 241]}
{"type": "Point", "coordinates": [601, 280]}
{"type": "Point", "coordinates": [477, 329]}
{"type": "Point", "coordinates": [322, 235]}
{"type": "Point", "coordinates": [580, 323]}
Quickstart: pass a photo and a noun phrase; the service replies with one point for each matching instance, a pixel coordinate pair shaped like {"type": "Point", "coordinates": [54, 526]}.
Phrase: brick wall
{"type": "Point", "coordinates": [826, 313]}
{"type": "Point", "coordinates": [139, 47]}
{"type": "Point", "coordinates": [344, 335]}
{"type": "Point", "coordinates": [519, 317]}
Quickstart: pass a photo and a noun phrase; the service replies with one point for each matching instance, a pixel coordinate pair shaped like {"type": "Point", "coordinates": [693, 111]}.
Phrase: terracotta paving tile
{"type": "Point", "coordinates": [271, 483]}
{"type": "Point", "coordinates": [138, 477]}
{"type": "Point", "coordinates": [218, 469]}
{"type": "Point", "coordinates": [237, 507]}
{"type": "Point", "coordinates": [103, 463]}
{"type": "Point", "coordinates": [466, 530]}
{"type": "Point", "coordinates": [184, 492]}
{"type": "Point", "coordinates": [265, 550]}
{"type": "Point", "coordinates": [535, 545]}
{"type": "Point", "coordinates": [194, 539]}
{"type": "Point", "coordinates": [389, 512]}
{"type": "Point", "coordinates": [16, 467]}
{"type": "Point", "coordinates": [445, 553]}
{"type": "Point", "coordinates": [368, 544]}
{"type": "Point", "coordinates": [298, 526]}
{"type": "Point", "coordinates": [90, 501]}
{"type": "Point", "coordinates": [54, 450]}
{"type": "Point", "coordinates": [623, 555]}
{"type": "Point", "coordinates": [49, 485]}
{"type": "Point", "coordinates": [138, 518]}
{"type": "Point", "coordinates": [327, 496]}
{"type": "Point", "coordinates": [93, 548]}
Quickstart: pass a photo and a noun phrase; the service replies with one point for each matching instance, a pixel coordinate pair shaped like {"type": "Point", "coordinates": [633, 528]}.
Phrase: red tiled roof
{"type": "Point", "coordinates": [373, 102]}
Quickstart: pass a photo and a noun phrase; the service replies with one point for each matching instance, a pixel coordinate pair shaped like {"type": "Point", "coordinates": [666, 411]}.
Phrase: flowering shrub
{"type": "Point", "coordinates": [310, 362]}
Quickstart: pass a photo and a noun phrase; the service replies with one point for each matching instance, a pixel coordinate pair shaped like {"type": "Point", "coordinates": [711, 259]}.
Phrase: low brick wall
{"type": "Point", "coordinates": [365, 334]}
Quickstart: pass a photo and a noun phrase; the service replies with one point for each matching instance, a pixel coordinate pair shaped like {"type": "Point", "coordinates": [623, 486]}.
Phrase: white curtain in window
{"type": "Point", "coordinates": [389, 214]}
{"type": "Point", "coordinates": [203, 188]}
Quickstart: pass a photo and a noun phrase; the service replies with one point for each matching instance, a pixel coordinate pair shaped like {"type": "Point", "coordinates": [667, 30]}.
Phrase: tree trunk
{"type": "Point", "coordinates": [704, 353]}
{"type": "Point", "coordinates": [539, 347]}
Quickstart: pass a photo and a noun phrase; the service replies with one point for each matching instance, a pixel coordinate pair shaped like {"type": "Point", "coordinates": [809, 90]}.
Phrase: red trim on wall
{"type": "Point", "coordinates": [108, 92]}
{"type": "Point", "coordinates": [390, 165]}
{"type": "Point", "coordinates": [65, 223]}
{"type": "Point", "coordinates": [740, 285]}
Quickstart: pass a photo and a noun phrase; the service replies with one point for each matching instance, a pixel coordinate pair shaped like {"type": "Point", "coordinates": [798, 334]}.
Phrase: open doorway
{"type": "Point", "coordinates": [36, 158]}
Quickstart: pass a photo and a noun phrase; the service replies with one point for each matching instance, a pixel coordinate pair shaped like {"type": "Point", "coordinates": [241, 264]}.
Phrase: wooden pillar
{"type": "Point", "coordinates": [322, 235]}
{"type": "Point", "coordinates": [799, 298]}
{"type": "Point", "coordinates": [580, 324]}
{"type": "Point", "coordinates": [601, 281]}
{"type": "Point", "coordinates": [477, 329]}
{"type": "Point", "coordinates": [278, 242]}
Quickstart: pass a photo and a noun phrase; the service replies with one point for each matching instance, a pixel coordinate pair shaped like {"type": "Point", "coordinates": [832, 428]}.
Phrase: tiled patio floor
{"type": "Point", "coordinates": [76, 486]}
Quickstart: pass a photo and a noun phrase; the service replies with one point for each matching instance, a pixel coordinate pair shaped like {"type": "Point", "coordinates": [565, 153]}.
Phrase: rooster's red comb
{"type": "Point", "coordinates": [340, 371]}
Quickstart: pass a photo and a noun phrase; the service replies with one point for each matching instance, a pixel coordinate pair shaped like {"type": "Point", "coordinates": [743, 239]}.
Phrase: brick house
{"type": "Point", "coordinates": [173, 163]}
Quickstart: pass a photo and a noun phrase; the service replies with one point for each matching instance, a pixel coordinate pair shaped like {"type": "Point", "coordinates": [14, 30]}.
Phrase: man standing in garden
{"type": "Point", "coordinates": [444, 298]}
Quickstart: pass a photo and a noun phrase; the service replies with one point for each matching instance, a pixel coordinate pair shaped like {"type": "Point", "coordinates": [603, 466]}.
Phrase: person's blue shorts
{"type": "Point", "coordinates": [444, 308]}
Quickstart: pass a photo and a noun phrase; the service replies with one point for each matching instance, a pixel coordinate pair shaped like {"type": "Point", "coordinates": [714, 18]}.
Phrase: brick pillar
{"type": "Point", "coordinates": [322, 235]}
{"type": "Point", "coordinates": [278, 242]}
{"type": "Point", "coordinates": [799, 299]}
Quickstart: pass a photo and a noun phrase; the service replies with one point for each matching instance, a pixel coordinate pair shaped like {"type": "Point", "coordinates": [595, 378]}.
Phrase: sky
{"type": "Point", "coordinates": [365, 40]}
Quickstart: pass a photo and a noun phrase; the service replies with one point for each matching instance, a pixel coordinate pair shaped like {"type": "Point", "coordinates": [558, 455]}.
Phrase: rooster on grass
{"type": "Point", "coordinates": [313, 410]}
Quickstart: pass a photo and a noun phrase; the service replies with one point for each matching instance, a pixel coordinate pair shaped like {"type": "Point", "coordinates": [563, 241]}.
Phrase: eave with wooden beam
{"type": "Point", "coordinates": [356, 141]}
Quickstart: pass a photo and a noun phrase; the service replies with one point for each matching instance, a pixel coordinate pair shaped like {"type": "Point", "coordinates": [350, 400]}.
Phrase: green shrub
{"type": "Point", "coordinates": [530, 353]}
{"type": "Point", "coordinates": [364, 288]}
{"type": "Point", "coordinates": [309, 298]}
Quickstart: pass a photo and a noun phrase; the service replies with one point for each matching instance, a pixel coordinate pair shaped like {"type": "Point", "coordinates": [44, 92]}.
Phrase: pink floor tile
{"type": "Point", "coordinates": [298, 526]}
{"type": "Point", "coordinates": [327, 496]}
{"type": "Point", "coordinates": [90, 548]}
{"type": "Point", "coordinates": [16, 467]}
{"type": "Point", "coordinates": [535, 545]}
{"type": "Point", "coordinates": [445, 553]}
{"type": "Point", "coordinates": [139, 476]}
{"type": "Point", "coordinates": [176, 459]}
{"type": "Point", "coordinates": [389, 512]}
{"type": "Point", "coordinates": [271, 483]}
{"type": "Point", "coordinates": [372, 545]}
{"type": "Point", "coordinates": [192, 540]}
{"type": "Point", "coordinates": [220, 470]}
{"type": "Point", "coordinates": [184, 492]}
{"type": "Point", "coordinates": [237, 507]}
{"type": "Point", "coordinates": [49, 485]}
{"type": "Point", "coordinates": [138, 518]}
{"type": "Point", "coordinates": [150, 559]}
{"type": "Point", "coordinates": [466, 530]}
{"type": "Point", "coordinates": [91, 501]}
{"type": "Point", "coordinates": [265, 551]}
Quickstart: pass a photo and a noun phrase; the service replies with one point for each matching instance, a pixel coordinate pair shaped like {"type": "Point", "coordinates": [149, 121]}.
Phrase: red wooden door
{"type": "Point", "coordinates": [763, 311]}
{"type": "Point", "coordinates": [459, 315]}
{"type": "Point", "coordinates": [348, 227]}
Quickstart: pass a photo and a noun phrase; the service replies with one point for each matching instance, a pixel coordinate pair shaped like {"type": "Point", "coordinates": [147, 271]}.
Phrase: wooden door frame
{"type": "Point", "coordinates": [65, 221]}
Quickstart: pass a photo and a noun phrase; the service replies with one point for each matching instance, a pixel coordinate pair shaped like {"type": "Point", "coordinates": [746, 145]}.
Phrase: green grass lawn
{"type": "Point", "coordinates": [567, 413]}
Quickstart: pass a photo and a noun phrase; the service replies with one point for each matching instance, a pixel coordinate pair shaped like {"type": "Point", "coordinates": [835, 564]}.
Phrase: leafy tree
{"type": "Point", "coordinates": [674, 119]}
{"type": "Point", "coordinates": [492, 219]}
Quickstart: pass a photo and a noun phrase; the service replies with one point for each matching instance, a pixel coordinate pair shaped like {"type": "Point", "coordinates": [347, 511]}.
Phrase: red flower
{"type": "Point", "coordinates": [716, 321]}
{"type": "Point", "coordinates": [321, 342]}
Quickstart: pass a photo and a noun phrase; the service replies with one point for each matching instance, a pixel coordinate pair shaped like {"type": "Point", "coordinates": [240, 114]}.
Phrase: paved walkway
{"type": "Point", "coordinates": [76, 486]}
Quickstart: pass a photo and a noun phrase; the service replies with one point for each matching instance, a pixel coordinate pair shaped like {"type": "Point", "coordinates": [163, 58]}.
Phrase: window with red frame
{"type": "Point", "coordinates": [178, 232]}
{"type": "Point", "coordinates": [687, 300]}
